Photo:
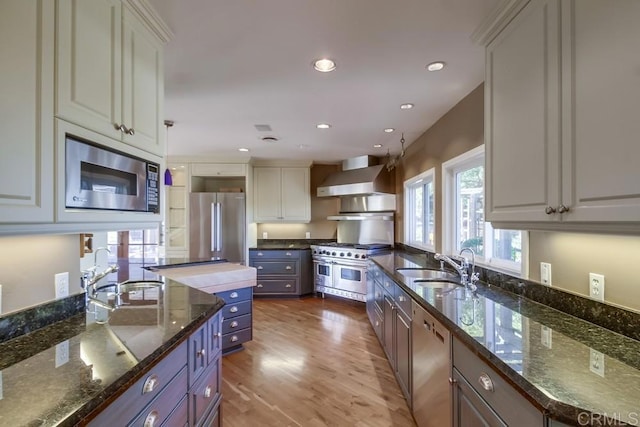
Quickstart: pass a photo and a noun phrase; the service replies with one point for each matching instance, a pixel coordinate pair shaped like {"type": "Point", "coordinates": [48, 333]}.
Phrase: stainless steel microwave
{"type": "Point", "coordinates": [97, 177]}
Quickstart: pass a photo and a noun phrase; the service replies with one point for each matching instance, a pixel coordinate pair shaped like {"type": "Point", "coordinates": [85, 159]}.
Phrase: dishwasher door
{"type": "Point", "coordinates": [431, 393]}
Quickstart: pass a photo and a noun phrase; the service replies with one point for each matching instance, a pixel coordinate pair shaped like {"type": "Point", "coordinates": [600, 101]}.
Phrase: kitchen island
{"type": "Point", "coordinates": [568, 370]}
{"type": "Point", "coordinates": [70, 372]}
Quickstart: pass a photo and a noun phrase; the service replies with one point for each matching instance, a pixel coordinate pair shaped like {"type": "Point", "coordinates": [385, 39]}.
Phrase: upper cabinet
{"type": "Point", "coordinates": [562, 94]}
{"type": "Point", "coordinates": [281, 194]}
{"type": "Point", "coordinates": [110, 71]}
{"type": "Point", "coordinates": [26, 97]}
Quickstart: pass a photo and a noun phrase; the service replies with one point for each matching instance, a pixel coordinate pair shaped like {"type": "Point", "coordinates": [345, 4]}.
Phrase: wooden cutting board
{"type": "Point", "coordinates": [212, 278]}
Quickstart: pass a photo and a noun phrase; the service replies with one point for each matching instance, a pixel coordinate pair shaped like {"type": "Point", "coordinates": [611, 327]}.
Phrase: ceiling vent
{"type": "Point", "coordinates": [263, 128]}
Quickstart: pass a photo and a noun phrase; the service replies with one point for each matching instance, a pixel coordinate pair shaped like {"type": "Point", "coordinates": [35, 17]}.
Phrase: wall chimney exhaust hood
{"type": "Point", "coordinates": [360, 175]}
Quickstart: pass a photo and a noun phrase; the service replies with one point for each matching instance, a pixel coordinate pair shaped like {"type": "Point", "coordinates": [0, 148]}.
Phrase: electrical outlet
{"type": "Point", "coordinates": [545, 273]}
{"type": "Point", "coordinates": [0, 299]}
{"type": "Point", "coordinates": [1, 392]}
{"type": "Point", "coordinates": [61, 281]}
{"type": "Point", "coordinates": [596, 286]}
{"type": "Point", "coordinates": [307, 235]}
{"type": "Point", "coordinates": [596, 362]}
{"type": "Point", "coordinates": [265, 235]}
{"type": "Point", "coordinates": [62, 353]}
{"type": "Point", "coordinates": [545, 336]}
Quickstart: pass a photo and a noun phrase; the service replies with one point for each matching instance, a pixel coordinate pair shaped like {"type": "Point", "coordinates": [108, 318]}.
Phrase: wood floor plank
{"type": "Point", "coordinates": [312, 362]}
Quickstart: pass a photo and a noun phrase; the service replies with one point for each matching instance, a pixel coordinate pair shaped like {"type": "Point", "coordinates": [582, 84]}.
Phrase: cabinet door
{"type": "Point", "coordinates": [267, 198]}
{"type": "Point", "coordinates": [89, 64]}
{"type": "Point", "coordinates": [388, 317]}
{"type": "Point", "coordinates": [26, 90]}
{"type": "Point", "coordinates": [296, 200]}
{"type": "Point", "coordinates": [522, 104]}
{"type": "Point", "coordinates": [142, 85]}
{"type": "Point", "coordinates": [601, 92]}
{"type": "Point", "coordinates": [469, 410]}
{"type": "Point", "coordinates": [402, 340]}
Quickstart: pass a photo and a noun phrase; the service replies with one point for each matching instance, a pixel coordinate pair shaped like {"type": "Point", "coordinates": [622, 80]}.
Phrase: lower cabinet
{"type": "Point", "coordinates": [237, 314]}
{"type": "Point", "coordinates": [282, 272]}
{"type": "Point", "coordinates": [181, 389]}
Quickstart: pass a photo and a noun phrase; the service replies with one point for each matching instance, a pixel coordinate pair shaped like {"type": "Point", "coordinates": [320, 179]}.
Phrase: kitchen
{"type": "Point", "coordinates": [573, 251]}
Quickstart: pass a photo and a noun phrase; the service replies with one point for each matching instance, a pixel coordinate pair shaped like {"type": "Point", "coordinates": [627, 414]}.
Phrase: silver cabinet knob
{"type": "Point", "coordinates": [151, 419]}
{"type": "Point", "coordinates": [550, 210]}
{"type": "Point", "coordinates": [201, 353]}
{"type": "Point", "coordinates": [131, 131]}
{"type": "Point", "coordinates": [563, 209]}
{"type": "Point", "coordinates": [452, 381]}
{"type": "Point", "coordinates": [288, 254]}
{"type": "Point", "coordinates": [259, 267]}
{"type": "Point", "coordinates": [233, 295]}
{"type": "Point", "coordinates": [207, 392]}
{"type": "Point", "coordinates": [150, 384]}
{"type": "Point", "coordinates": [486, 382]}
{"type": "Point", "coordinates": [260, 285]}
{"type": "Point", "coordinates": [234, 338]}
{"type": "Point", "coordinates": [288, 285]}
{"type": "Point", "coordinates": [234, 309]}
{"type": "Point", "coordinates": [234, 324]}
{"type": "Point", "coordinates": [260, 254]}
{"type": "Point", "coordinates": [288, 267]}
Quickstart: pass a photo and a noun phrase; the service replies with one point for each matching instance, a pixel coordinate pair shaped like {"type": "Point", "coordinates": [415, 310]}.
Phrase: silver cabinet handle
{"type": "Point", "coordinates": [288, 254]}
{"type": "Point", "coordinates": [550, 210]}
{"type": "Point", "coordinates": [563, 209]}
{"type": "Point", "coordinates": [377, 323]}
{"type": "Point", "coordinates": [234, 324]}
{"type": "Point", "coordinates": [151, 419]}
{"type": "Point", "coordinates": [485, 382]}
{"type": "Point", "coordinates": [233, 295]}
{"type": "Point", "coordinates": [387, 284]}
{"type": "Point", "coordinates": [260, 254]}
{"type": "Point", "coordinates": [452, 381]}
{"type": "Point", "coordinates": [234, 309]}
{"type": "Point", "coordinates": [259, 267]}
{"type": "Point", "coordinates": [260, 285]}
{"type": "Point", "coordinates": [131, 131]}
{"type": "Point", "coordinates": [150, 384]}
{"type": "Point", "coordinates": [201, 353]}
{"type": "Point", "coordinates": [401, 298]}
{"type": "Point", "coordinates": [218, 334]}
{"type": "Point", "coordinates": [234, 338]}
{"type": "Point", "coordinates": [120, 127]}
{"type": "Point", "coordinates": [207, 392]}
{"type": "Point", "coordinates": [288, 267]}
{"type": "Point", "coordinates": [288, 285]}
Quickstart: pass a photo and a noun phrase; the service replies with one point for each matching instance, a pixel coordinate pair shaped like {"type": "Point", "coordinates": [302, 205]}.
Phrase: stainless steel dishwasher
{"type": "Point", "coordinates": [431, 370]}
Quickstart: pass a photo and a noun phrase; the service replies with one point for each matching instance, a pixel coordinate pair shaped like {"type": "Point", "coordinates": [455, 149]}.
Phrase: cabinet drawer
{"type": "Point", "coordinates": [180, 415]}
{"type": "Point", "coordinates": [379, 296]}
{"type": "Point", "coordinates": [235, 338]}
{"type": "Point", "coordinates": [275, 267]}
{"type": "Point", "coordinates": [377, 323]}
{"type": "Point", "coordinates": [205, 394]}
{"type": "Point", "coordinates": [403, 301]}
{"type": "Point", "coordinates": [375, 272]}
{"type": "Point", "coordinates": [162, 407]}
{"type": "Point", "coordinates": [277, 286]}
{"type": "Point", "coordinates": [236, 309]}
{"type": "Point", "coordinates": [388, 285]}
{"type": "Point", "coordinates": [274, 254]}
{"type": "Point", "coordinates": [214, 417]}
{"type": "Point", "coordinates": [145, 390]}
{"type": "Point", "coordinates": [513, 408]}
{"type": "Point", "coordinates": [236, 323]}
{"type": "Point", "coordinates": [235, 295]}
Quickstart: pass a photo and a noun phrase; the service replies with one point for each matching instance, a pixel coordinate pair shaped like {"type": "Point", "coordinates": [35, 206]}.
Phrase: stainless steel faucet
{"type": "Point", "coordinates": [89, 278]}
{"type": "Point", "coordinates": [468, 279]}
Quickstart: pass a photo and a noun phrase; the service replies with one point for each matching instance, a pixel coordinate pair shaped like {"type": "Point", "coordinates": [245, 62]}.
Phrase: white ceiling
{"type": "Point", "coordinates": [236, 63]}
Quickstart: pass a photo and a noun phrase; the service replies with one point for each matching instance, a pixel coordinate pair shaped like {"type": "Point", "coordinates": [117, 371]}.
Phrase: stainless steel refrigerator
{"type": "Point", "coordinates": [217, 226]}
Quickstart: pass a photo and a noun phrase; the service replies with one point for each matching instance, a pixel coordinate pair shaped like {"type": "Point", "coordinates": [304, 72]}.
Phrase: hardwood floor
{"type": "Point", "coordinates": [312, 362]}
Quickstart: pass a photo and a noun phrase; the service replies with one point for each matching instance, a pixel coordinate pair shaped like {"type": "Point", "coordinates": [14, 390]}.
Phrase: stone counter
{"type": "Point", "coordinates": [547, 354]}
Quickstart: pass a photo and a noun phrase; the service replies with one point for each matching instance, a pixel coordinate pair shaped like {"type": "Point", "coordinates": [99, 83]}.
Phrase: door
{"type": "Point", "coordinates": [231, 226]}
{"type": "Point", "coordinates": [469, 409]}
{"type": "Point", "coordinates": [350, 278]}
{"type": "Point", "coordinates": [403, 353]}
{"type": "Point", "coordinates": [388, 322]}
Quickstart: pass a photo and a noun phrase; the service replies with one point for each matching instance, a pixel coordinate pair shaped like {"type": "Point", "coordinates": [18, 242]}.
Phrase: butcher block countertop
{"type": "Point", "coordinates": [210, 278]}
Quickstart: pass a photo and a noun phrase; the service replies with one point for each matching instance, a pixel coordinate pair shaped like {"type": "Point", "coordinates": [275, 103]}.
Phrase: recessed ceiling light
{"type": "Point", "coordinates": [389, 130]}
{"type": "Point", "coordinates": [323, 125]}
{"type": "Point", "coordinates": [377, 146]}
{"type": "Point", "coordinates": [406, 106]}
{"type": "Point", "coordinates": [435, 66]}
{"type": "Point", "coordinates": [244, 150]}
{"type": "Point", "coordinates": [303, 146]}
{"type": "Point", "coordinates": [324, 65]}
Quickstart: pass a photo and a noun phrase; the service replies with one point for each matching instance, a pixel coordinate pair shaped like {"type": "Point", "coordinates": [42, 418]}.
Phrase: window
{"type": "Point", "coordinates": [420, 218]}
{"type": "Point", "coordinates": [464, 222]}
{"type": "Point", "coordinates": [138, 247]}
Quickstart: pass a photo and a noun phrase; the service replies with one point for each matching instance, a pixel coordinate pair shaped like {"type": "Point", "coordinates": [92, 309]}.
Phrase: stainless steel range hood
{"type": "Point", "coordinates": [360, 175]}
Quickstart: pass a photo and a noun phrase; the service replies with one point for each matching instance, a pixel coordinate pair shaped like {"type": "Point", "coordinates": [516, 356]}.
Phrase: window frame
{"type": "Point", "coordinates": [428, 176]}
{"type": "Point", "coordinates": [472, 158]}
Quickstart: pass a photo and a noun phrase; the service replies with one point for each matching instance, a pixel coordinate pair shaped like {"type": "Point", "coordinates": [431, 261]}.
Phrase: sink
{"type": "Point", "coordinates": [437, 283]}
{"type": "Point", "coordinates": [428, 274]}
{"type": "Point", "coordinates": [127, 286]}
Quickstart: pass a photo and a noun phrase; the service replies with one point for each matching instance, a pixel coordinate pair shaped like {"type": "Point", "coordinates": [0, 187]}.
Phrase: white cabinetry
{"type": "Point", "coordinates": [562, 95]}
{"type": "Point", "coordinates": [281, 194]}
{"type": "Point", "coordinates": [219, 169]}
{"type": "Point", "coordinates": [26, 100]}
{"type": "Point", "coordinates": [176, 220]}
{"type": "Point", "coordinates": [109, 72]}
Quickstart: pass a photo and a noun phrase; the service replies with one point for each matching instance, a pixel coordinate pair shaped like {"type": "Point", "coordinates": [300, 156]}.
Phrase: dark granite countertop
{"type": "Point", "coordinates": [283, 244]}
{"type": "Point", "coordinates": [567, 367]}
{"type": "Point", "coordinates": [66, 372]}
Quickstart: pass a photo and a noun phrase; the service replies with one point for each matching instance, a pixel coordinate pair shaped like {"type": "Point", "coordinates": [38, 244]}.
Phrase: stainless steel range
{"type": "Point", "coordinates": [341, 268]}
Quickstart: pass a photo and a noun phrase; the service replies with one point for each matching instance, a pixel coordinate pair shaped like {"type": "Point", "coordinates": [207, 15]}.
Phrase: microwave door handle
{"type": "Point", "coordinates": [219, 226]}
{"type": "Point", "coordinates": [214, 229]}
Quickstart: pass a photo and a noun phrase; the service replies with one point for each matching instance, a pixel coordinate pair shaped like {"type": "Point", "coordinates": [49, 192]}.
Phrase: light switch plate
{"type": "Point", "coordinates": [545, 273]}
{"type": "Point", "coordinates": [265, 235]}
{"type": "Point", "coordinates": [596, 362]}
{"type": "Point", "coordinates": [62, 353]}
{"type": "Point", "coordinates": [61, 281]}
{"type": "Point", "coordinates": [307, 235]}
{"type": "Point", "coordinates": [545, 336]}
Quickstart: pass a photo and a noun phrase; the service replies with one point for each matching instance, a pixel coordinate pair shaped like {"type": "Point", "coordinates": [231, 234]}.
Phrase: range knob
{"type": "Point", "coordinates": [356, 256]}
{"type": "Point", "coordinates": [363, 256]}
{"type": "Point", "coordinates": [341, 253]}
{"type": "Point", "coordinates": [333, 254]}
{"type": "Point", "coordinates": [349, 253]}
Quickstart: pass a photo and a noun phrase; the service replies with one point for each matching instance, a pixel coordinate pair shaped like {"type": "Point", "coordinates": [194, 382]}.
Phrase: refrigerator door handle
{"type": "Point", "coordinates": [214, 228]}
{"type": "Point", "coordinates": [219, 226]}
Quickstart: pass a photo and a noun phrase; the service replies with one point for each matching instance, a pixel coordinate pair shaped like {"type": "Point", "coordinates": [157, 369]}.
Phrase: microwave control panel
{"type": "Point", "coordinates": [153, 191]}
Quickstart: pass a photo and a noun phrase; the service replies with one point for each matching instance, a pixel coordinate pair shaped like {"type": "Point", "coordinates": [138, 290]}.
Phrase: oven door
{"type": "Point", "coordinates": [322, 274]}
{"type": "Point", "coordinates": [350, 277]}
